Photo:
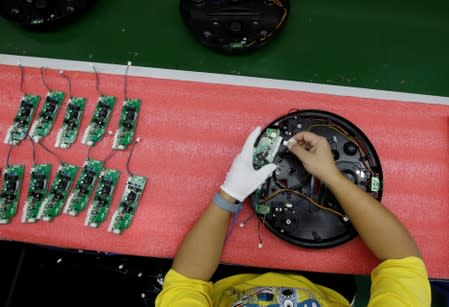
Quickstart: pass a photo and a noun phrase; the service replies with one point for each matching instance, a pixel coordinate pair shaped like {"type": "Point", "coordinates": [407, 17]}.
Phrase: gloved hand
{"type": "Point", "coordinates": [242, 179]}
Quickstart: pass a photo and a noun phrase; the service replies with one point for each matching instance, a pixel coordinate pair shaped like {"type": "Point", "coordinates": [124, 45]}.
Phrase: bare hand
{"type": "Point", "coordinates": [315, 154]}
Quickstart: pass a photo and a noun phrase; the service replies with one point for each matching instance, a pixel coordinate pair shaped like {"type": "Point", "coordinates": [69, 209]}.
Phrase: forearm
{"type": "Point", "coordinates": [200, 252]}
{"type": "Point", "coordinates": [381, 231]}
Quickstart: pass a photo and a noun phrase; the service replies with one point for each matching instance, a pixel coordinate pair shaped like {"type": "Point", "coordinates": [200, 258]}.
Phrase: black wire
{"type": "Point", "coordinates": [34, 151]}
{"type": "Point", "coordinates": [89, 150]}
{"type": "Point", "coordinates": [259, 232]}
{"type": "Point", "coordinates": [249, 218]}
{"type": "Point", "coordinates": [8, 155]}
{"type": "Point", "coordinates": [105, 159]}
{"type": "Point", "coordinates": [97, 80]}
{"type": "Point", "coordinates": [43, 78]}
{"type": "Point", "coordinates": [126, 80]}
{"type": "Point", "coordinates": [129, 158]}
{"type": "Point", "coordinates": [21, 79]}
{"type": "Point", "coordinates": [70, 83]}
{"type": "Point", "coordinates": [49, 151]}
{"type": "Point", "coordinates": [110, 155]}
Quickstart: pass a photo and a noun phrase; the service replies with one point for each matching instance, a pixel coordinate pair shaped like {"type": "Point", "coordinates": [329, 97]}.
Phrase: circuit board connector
{"type": "Point", "coordinates": [123, 216]}
{"type": "Point", "coordinates": [267, 147]}
{"type": "Point", "coordinates": [22, 122]}
{"type": "Point", "coordinates": [97, 126]}
{"type": "Point", "coordinates": [37, 191]}
{"type": "Point", "coordinates": [98, 210]}
{"type": "Point", "coordinates": [47, 116]}
{"type": "Point", "coordinates": [69, 131]}
{"type": "Point", "coordinates": [79, 198]}
{"type": "Point", "coordinates": [9, 197]}
{"type": "Point", "coordinates": [127, 125]}
{"type": "Point", "coordinates": [52, 205]}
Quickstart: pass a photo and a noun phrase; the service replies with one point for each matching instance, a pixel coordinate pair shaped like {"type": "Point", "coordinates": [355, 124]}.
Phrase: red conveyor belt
{"type": "Point", "coordinates": [190, 134]}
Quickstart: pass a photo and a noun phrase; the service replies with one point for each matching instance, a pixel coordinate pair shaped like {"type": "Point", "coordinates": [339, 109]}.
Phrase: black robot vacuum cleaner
{"type": "Point", "coordinates": [294, 205]}
{"type": "Point", "coordinates": [234, 26]}
{"type": "Point", "coordinates": [43, 14]}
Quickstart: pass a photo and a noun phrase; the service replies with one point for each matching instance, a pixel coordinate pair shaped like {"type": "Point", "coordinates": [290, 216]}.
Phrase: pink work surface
{"type": "Point", "coordinates": [190, 134]}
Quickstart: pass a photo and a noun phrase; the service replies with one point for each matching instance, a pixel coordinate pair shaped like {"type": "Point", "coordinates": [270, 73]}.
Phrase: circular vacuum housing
{"type": "Point", "coordinates": [43, 14]}
{"type": "Point", "coordinates": [234, 26]}
{"type": "Point", "coordinates": [293, 204]}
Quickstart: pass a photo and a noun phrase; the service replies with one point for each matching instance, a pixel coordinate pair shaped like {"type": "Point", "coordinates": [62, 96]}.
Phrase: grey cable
{"type": "Point", "coordinates": [51, 152]}
{"type": "Point", "coordinates": [8, 155]}
{"type": "Point", "coordinates": [129, 158]}
{"type": "Point", "coordinates": [97, 80]}
{"type": "Point", "coordinates": [34, 150]}
{"type": "Point", "coordinates": [21, 79]}
{"type": "Point", "coordinates": [126, 81]}
{"type": "Point", "coordinates": [43, 78]}
{"type": "Point", "coordinates": [68, 80]}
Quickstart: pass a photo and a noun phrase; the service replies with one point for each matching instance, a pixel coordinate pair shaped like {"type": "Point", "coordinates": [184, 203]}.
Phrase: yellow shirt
{"type": "Point", "coordinates": [394, 282]}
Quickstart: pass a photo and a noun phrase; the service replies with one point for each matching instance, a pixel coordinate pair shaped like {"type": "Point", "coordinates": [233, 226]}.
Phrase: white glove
{"type": "Point", "coordinates": [242, 179]}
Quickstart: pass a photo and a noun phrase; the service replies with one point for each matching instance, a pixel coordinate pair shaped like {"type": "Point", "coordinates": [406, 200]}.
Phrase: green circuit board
{"type": "Point", "coordinates": [97, 126]}
{"type": "Point", "coordinates": [127, 125]}
{"type": "Point", "coordinates": [79, 198]}
{"type": "Point", "coordinates": [98, 210]}
{"type": "Point", "coordinates": [22, 122]}
{"type": "Point", "coordinates": [123, 216]}
{"type": "Point", "coordinates": [72, 119]}
{"type": "Point", "coordinates": [37, 191]}
{"type": "Point", "coordinates": [9, 197]}
{"type": "Point", "coordinates": [52, 205]}
{"type": "Point", "coordinates": [47, 116]}
{"type": "Point", "coordinates": [267, 147]}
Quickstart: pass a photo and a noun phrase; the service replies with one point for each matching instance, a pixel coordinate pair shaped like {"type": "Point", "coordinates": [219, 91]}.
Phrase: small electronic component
{"type": "Point", "coordinates": [130, 199]}
{"type": "Point", "coordinates": [262, 209]}
{"type": "Point", "coordinates": [98, 210]}
{"type": "Point", "coordinates": [37, 191]}
{"type": "Point", "coordinates": [79, 198]}
{"type": "Point", "coordinates": [95, 131]}
{"type": "Point", "coordinates": [22, 122]}
{"type": "Point", "coordinates": [267, 147]}
{"type": "Point", "coordinates": [127, 125]}
{"type": "Point", "coordinates": [69, 131]}
{"type": "Point", "coordinates": [52, 205]}
{"type": "Point", "coordinates": [9, 197]}
{"type": "Point", "coordinates": [47, 116]}
{"type": "Point", "coordinates": [375, 184]}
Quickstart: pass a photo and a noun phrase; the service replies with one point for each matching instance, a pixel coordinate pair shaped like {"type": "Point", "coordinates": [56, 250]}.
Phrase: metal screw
{"type": "Point", "coordinates": [207, 34]}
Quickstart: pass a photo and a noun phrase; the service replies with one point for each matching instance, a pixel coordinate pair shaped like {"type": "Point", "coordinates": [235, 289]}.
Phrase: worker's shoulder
{"type": "Point", "coordinates": [398, 281]}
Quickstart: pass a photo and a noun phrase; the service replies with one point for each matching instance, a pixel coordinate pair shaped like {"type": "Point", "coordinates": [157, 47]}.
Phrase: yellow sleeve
{"type": "Point", "coordinates": [179, 290]}
{"type": "Point", "coordinates": [400, 282]}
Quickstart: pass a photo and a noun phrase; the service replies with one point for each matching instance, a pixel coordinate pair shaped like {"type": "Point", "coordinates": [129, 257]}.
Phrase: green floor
{"type": "Point", "coordinates": [390, 45]}
{"type": "Point", "coordinates": [383, 44]}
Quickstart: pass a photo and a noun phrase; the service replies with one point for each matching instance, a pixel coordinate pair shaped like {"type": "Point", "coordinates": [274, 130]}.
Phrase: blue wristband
{"type": "Point", "coordinates": [226, 205]}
